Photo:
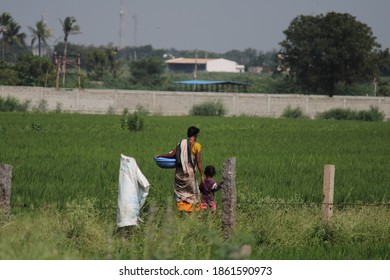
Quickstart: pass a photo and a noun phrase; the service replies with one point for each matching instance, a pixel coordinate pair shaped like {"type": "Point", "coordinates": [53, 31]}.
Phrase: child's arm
{"type": "Point", "coordinates": [216, 187]}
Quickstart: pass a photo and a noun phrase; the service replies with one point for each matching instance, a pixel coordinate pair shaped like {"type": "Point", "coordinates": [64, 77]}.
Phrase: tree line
{"type": "Point", "coordinates": [323, 54]}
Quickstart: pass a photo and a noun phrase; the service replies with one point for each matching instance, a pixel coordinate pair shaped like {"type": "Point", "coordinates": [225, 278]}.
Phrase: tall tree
{"type": "Point", "coordinates": [11, 32]}
{"type": "Point", "coordinates": [115, 65]}
{"type": "Point", "coordinates": [41, 33]}
{"type": "Point", "coordinates": [69, 27]}
{"type": "Point", "coordinates": [97, 64]}
{"type": "Point", "coordinates": [322, 51]}
{"type": "Point", "coordinates": [33, 70]}
{"type": "Point", "coordinates": [5, 19]}
{"type": "Point", "coordinates": [147, 71]}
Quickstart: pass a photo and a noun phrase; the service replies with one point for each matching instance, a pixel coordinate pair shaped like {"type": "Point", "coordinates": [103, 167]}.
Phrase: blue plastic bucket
{"type": "Point", "coordinates": [164, 162]}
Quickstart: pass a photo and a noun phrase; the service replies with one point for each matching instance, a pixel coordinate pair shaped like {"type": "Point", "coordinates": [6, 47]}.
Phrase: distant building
{"type": "Point", "coordinates": [45, 51]}
{"type": "Point", "coordinates": [188, 65]}
{"type": "Point", "coordinates": [255, 69]}
{"type": "Point", "coordinates": [212, 86]}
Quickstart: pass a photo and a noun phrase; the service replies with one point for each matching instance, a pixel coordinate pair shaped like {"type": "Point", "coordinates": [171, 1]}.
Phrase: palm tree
{"type": "Point", "coordinates": [69, 27]}
{"type": "Point", "coordinates": [41, 33]}
{"type": "Point", "coordinates": [12, 35]}
{"type": "Point", "coordinates": [5, 20]}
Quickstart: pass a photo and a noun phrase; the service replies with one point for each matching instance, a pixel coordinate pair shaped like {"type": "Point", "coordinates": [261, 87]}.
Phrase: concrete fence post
{"type": "Point", "coordinates": [328, 192]}
{"type": "Point", "coordinates": [5, 190]}
{"type": "Point", "coordinates": [229, 197]}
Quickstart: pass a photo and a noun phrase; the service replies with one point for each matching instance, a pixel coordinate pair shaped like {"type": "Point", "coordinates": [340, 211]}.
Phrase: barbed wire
{"type": "Point", "coordinates": [317, 204]}
{"type": "Point", "coordinates": [341, 204]}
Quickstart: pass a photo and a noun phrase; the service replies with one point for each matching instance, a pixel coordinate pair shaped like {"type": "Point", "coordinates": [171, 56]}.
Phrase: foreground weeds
{"type": "Point", "coordinates": [80, 231]}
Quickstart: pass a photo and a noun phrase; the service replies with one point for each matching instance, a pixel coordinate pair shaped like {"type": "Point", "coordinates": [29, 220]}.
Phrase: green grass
{"type": "Point", "coordinates": [65, 180]}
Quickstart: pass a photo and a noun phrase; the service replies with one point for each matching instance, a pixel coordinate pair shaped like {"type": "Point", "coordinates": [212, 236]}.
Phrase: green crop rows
{"type": "Point", "coordinates": [65, 180]}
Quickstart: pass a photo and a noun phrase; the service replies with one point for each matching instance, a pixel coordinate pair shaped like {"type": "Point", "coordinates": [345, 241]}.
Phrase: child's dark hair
{"type": "Point", "coordinates": [209, 171]}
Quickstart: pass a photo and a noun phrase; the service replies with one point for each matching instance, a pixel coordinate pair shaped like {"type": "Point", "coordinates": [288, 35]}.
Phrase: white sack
{"type": "Point", "coordinates": [133, 188]}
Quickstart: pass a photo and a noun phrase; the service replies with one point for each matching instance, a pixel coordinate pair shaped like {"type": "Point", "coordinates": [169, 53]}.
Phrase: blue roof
{"type": "Point", "coordinates": [206, 82]}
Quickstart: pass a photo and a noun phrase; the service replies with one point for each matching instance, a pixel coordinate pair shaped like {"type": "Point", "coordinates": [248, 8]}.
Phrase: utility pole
{"type": "Point", "coordinates": [196, 65]}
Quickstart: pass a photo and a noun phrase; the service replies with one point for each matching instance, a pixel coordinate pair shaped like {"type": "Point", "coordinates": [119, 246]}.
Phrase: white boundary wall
{"type": "Point", "coordinates": [94, 101]}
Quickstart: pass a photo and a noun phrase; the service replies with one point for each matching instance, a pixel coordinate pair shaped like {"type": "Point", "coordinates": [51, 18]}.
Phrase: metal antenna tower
{"type": "Point", "coordinates": [135, 35]}
{"type": "Point", "coordinates": [121, 20]}
{"type": "Point", "coordinates": [43, 18]}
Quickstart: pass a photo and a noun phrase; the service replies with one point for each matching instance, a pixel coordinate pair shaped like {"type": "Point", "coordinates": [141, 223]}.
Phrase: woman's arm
{"type": "Point", "coordinates": [171, 154]}
{"type": "Point", "coordinates": [199, 164]}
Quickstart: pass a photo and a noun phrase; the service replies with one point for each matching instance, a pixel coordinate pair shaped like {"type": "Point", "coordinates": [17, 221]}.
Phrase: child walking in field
{"type": "Point", "coordinates": [208, 188]}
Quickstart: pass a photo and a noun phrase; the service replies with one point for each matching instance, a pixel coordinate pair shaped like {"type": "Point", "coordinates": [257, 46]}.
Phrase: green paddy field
{"type": "Point", "coordinates": [65, 188]}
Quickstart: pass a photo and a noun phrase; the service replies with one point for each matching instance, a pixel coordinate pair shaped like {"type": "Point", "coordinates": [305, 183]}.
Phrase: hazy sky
{"type": "Point", "coordinates": [210, 25]}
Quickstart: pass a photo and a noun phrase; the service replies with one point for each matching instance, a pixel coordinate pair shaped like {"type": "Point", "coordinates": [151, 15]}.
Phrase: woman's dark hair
{"type": "Point", "coordinates": [209, 171]}
{"type": "Point", "coordinates": [192, 131]}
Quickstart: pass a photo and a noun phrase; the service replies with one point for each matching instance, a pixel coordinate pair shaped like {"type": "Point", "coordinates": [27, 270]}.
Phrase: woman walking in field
{"type": "Point", "coordinates": [188, 156]}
